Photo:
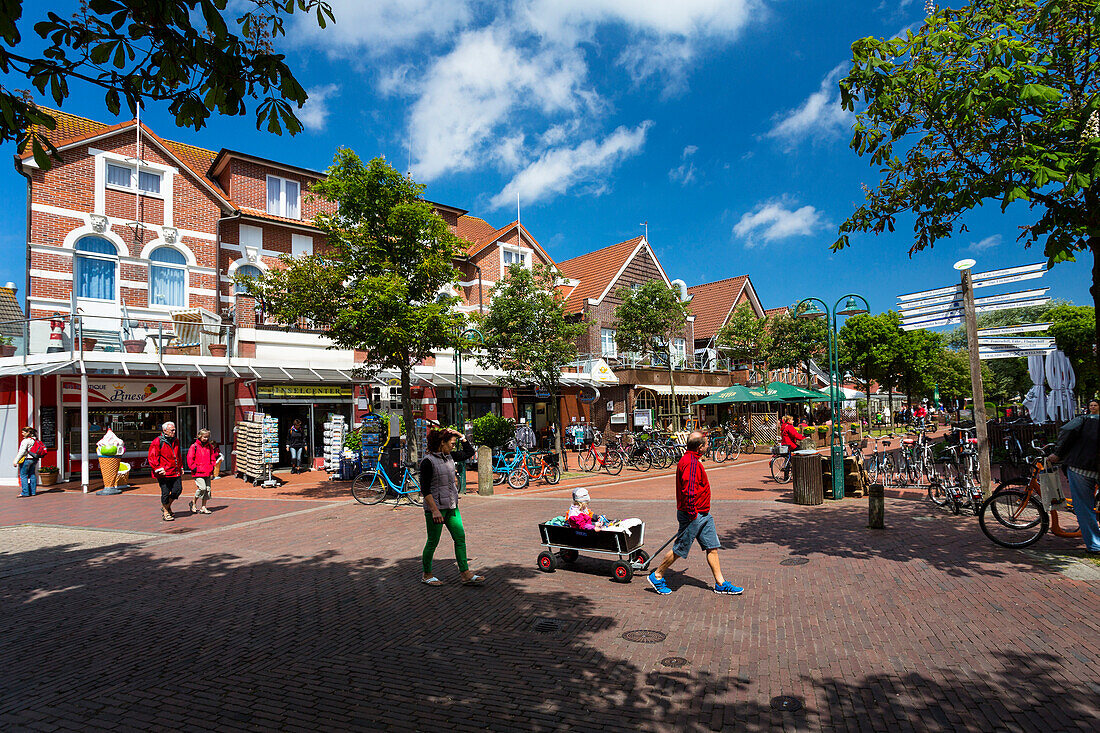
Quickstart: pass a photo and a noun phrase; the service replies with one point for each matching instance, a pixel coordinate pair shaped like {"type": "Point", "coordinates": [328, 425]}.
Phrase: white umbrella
{"type": "Point", "coordinates": [1062, 380]}
{"type": "Point", "coordinates": [1036, 398]}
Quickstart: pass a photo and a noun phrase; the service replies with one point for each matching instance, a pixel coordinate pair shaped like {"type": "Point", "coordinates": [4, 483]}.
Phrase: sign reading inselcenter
{"type": "Point", "coordinates": [302, 391]}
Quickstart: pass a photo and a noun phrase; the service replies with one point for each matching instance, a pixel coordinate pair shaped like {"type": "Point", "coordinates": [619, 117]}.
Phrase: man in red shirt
{"type": "Point", "coordinates": [696, 523]}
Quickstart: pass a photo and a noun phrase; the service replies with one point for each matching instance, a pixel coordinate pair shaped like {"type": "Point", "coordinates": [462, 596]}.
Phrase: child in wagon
{"type": "Point", "coordinates": [580, 516]}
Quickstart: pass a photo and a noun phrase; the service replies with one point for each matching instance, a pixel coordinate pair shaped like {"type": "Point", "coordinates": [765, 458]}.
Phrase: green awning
{"type": "Point", "coordinates": [733, 395]}
{"type": "Point", "coordinates": [783, 392]}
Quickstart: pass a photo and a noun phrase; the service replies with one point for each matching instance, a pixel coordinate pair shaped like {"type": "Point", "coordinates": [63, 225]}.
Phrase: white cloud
{"type": "Point", "coordinates": [559, 168]}
{"type": "Point", "coordinates": [377, 26]}
{"type": "Point", "coordinates": [568, 20]}
{"type": "Point", "coordinates": [988, 243]}
{"type": "Point", "coordinates": [685, 172]}
{"type": "Point", "coordinates": [314, 113]}
{"type": "Point", "coordinates": [775, 220]}
{"type": "Point", "coordinates": [470, 94]}
{"type": "Point", "coordinates": [820, 115]}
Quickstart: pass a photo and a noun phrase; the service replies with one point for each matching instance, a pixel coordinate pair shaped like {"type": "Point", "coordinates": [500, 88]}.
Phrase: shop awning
{"type": "Point", "coordinates": [737, 394]}
{"type": "Point", "coordinates": [682, 391]}
{"type": "Point", "coordinates": [147, 365]}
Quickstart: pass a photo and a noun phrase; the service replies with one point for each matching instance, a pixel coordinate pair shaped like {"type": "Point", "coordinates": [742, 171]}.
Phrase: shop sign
{"type": "Point", "coordinates": [302, 391]}
{"type": "Point", "coordinates": [588, 395]}
{"type": "Point", "coordinates": [601, 372]}
{"type": "Point", "coordinates": [116, 392]}
{"type": "Point", "coordinates": [542, 394]}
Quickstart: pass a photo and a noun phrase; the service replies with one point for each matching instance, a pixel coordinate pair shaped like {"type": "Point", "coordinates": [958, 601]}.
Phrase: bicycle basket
{"type": "Point", "coordinates": [552, 459]}
{"type": "Point", "coordinates": [780, 450]}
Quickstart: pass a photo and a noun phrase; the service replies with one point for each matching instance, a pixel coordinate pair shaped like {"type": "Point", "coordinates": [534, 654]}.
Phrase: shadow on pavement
{"type": "Point", "coordinates": [324, 643]}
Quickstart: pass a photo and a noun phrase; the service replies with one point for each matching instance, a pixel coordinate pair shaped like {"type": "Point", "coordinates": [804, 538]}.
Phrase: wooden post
{"type": "Point", "coordinates": [978, 389]}
{"type": "Point", "coordinates": [484, 470]}
{"type": "Point", "coordinates": [876, 507]}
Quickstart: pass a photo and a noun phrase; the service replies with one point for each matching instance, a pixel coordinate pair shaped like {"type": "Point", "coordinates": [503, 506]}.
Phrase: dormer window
{"type": "Point", "coordinates": [515, 256]}
{"type": "Point", "coordinates": [131, 179]}
{"type": "Point", "coordinates": [283, 197]}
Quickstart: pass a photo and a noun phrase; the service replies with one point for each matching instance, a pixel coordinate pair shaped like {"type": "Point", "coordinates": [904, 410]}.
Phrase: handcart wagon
{"type": "Point", "coordinates": [622, 541]}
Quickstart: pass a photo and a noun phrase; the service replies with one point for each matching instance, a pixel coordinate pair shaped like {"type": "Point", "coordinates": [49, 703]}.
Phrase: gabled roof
{"type": "Point", "coordinates": [482, 234]}
{"type": "Point", "coordinates": [775, 311]}
{"type": "Point", "coordinates": [10, 314]}
{"type": "Point", "coordinates": [598, 271]}
{"type": "Point", "coordinates": [712, 303]}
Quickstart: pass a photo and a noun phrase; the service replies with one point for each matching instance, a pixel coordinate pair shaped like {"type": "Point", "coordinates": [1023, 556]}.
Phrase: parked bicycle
{"type": "Point", "coordinates": [505, 462]}
{"type": "Point", "coordinates": [780, 464]}
{"type": "Point", "coordinates": [537, 466]}
{"type": "Point", "coordinates": [956, 485]}
{"type": "Point", "coordinates": [610, 461]}
{"type": "Point", "coordinates": [374, 485]}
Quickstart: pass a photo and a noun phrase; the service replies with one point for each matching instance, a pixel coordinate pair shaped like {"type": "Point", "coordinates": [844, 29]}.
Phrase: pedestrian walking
{"type": "Point", "coordinates": [1077, 445]}
{"type": "Point", "coordinates": [296, 444]}
{"type": "Point", "coordinates": [439, 486]}
{"type": "Point", "coordinates": [695, 521]}
{"type": "Point", "coordinates": [30, 452]}
{"type": "Point", "coordinates": [166, 460]}
{"type": "Point", "coordinates": [203, 458]}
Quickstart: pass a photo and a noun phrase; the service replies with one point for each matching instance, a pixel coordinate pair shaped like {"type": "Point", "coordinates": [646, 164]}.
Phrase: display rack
{"type": "Point", "coordinates": [336, 431]}
{"type": "Point", "coordinates": [372, 438]}
{"type": "Point", "coordinates": [257, 448]}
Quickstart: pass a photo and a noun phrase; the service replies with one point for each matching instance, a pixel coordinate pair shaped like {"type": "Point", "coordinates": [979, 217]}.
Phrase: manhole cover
{"type": "Point", "coordinates": [548, 625]}
{"type": "Point", "coordinates": [674, 662]}
{"type": "Point", "coordinates": [786, 704]}
{"type": "Point", "coordinates": [644, 636]}
{"type": "Point", "coordinates": [795, 561]}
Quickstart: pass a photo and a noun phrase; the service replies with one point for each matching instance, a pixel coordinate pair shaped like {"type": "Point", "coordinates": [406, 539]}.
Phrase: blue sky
{"type": "Point", "coordinates": [715, 121]}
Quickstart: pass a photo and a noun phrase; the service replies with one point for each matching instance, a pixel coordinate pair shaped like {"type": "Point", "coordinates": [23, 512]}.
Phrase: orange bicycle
{"type": "Point", "coordinates": [537, 466]}
{"type": "Point", "coordinates": [1019, 512]}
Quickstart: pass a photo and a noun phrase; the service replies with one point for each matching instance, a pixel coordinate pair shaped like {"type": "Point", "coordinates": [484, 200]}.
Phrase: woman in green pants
{"type": "Point", "coordinates": [439, 485]}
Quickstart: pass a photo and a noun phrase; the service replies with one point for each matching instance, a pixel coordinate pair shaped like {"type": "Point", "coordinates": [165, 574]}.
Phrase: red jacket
{"type": "Point", "coordinates": [692, 485]}
{"type": "Point", "coordinates": [166, 455]}
{"type": "Point", "coordinates": [790, 436]}
{"type": "Point", "coordinates": [202, 459]}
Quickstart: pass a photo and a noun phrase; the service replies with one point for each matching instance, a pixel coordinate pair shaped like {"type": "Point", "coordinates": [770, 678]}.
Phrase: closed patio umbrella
{"type": "Point", "coordinates": [1062, 380]}
{"type": "Point", "coordinates": [1036, 398]}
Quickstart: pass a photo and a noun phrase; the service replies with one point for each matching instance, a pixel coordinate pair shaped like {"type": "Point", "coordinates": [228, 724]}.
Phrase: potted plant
{"type": "Point", "coordinates": [6, 346]}
{"type": "Point", "coordinates": [129, 343]}
{"type": "Point", "coordinates": [218, 350]}
{"type": "Point", "coordinates": [47, 475]}
{"type": "Point", "coordinates": [87, 344]}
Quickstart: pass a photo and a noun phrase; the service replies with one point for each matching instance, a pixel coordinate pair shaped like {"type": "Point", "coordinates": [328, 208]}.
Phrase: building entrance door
{"type": "Point", "coordinates": [189, 420]}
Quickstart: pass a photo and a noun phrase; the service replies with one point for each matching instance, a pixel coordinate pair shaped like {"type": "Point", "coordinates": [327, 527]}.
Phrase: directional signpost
{"type": "Point", "coordinates": [1007, 330]}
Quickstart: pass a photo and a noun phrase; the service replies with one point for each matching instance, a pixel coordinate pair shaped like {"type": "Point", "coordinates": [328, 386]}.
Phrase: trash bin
{"type": "Point", "coordinates": [807, 476]}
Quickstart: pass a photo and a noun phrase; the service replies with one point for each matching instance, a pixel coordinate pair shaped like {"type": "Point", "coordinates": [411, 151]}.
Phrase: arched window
{"type": "Point", "coordinates": [96, 268]}
{"type": "Point", "coordinates": [644, 400]}
{"type": "Point", "coordinates": [245, 271]}
{"type": "Point", "coordinates": [167, 278]}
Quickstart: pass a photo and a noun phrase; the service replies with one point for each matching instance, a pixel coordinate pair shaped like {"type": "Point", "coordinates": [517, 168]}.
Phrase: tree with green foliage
{"type": "Point", "coordinates": [1073, 328]}
{"type": "Point", "coordinates": [995, 101]}
{"type": "Point", "coordinates": [951, 373]}
{"type": "Point", "coordinates": [527, 334]}
{"type": "Point", "coordinates": [806, 340]}
{"type": "Point", "coordinates": [647, 322]}
{"type": "Point", "coordinates": [376, 285]}
{"type": "Point", "coordinates": [747, 337]}
{"type": "Point", "coordinates": [868, 346]}
{"type": "Point", "coordinates": [916, 354]}
{"type": "Point", "coordinates": [183, 52]}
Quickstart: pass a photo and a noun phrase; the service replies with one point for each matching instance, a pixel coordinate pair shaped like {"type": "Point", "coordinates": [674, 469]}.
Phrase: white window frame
{"type": "Point", "coordinates": [171, 266]}
{"type": "Point", "coordinates": [614, 352]}
{"type": "Point", "coordinates": [679, 351]}
{"type": "Point", "coordinates": [115, 259]}
{"type": "Point", "coordinates": [133, 187]}
{"type": "Point", "coordinates": [301, 245]}
{"type": "Point", "coordinates": [283, 209]}
{"type": "Point", "coordinates": [526, 254]}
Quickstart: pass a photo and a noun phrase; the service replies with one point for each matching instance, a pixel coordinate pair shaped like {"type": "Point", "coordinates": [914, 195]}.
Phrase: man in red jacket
{"type": "Point", "coordinates": [166, 460]}
{"type": "Point", "coordinates": [696, 523]}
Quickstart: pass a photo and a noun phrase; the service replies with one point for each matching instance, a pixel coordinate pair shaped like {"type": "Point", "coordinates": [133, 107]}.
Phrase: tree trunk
{"type": "Point", "coordinates": [407, 413]}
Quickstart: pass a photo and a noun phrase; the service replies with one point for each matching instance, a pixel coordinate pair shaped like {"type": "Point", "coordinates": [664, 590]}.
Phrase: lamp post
{"type": "Point", "coordinates": [470, 334]}
{"type": "Point", "coordinates": [851, 308]}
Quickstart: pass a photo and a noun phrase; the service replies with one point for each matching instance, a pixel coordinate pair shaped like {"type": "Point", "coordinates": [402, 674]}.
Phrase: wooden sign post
{"type": "Point", "coordinates": [978, 389]}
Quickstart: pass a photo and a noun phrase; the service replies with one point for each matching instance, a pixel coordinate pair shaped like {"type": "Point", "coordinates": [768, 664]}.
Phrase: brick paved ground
{"type": "Point", "coordinates": [291, 615]}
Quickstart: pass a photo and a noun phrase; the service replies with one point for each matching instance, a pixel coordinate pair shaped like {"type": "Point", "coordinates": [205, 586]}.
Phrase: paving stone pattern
{"type": "Point", "coordinates": [315, 620]}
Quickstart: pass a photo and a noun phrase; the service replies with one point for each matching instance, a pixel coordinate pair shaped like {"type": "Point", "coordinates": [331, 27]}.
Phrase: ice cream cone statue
{"type": "Point", "coordinates": [109, 448]}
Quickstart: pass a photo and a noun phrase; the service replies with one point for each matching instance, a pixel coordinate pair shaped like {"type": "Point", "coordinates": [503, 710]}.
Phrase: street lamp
{"type": "Point", "coordinates": [470, 334]}
{"type": "Point", "coordinates": [851, 308]}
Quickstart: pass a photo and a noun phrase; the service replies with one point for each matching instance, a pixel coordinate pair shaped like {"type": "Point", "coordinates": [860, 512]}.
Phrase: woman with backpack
{"type": "Point", "coordinates": [203, 458]}
{"type": "Point", "coordinates": [30, 452]}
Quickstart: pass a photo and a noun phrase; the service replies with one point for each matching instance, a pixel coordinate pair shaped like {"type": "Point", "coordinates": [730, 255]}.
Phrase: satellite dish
{"type": "Point", "coordinates": [964, 264]}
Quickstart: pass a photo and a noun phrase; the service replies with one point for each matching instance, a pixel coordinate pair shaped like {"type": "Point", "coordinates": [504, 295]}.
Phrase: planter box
{"type": "Point", "coordinates": [48, 479]}
{"type": "Point", "coordinates": [134, 346]}
{"type": "Point", "coordinates": [7, 350]}
{"type": "Point", "coordinates": [87, 344]}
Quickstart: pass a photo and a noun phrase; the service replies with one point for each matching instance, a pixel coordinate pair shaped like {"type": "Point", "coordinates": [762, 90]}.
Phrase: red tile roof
{"type": "Point", "coordinates": [478, 232]}
{"type": "Point", "coordinates": [711, 304]}
{"type": "Point", "coordinates": [775, 311]}
{"type": "Point", "coordinates": [596, 270]}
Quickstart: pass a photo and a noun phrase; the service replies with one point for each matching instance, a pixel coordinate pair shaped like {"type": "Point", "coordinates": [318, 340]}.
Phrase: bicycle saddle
{"type": "Point", "coordinates": [886, 443]}
{"type": "Point", "coordinates": [908, 441]}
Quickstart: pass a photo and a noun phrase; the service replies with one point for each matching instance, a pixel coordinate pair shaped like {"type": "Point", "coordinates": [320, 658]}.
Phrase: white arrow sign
{"type": "Point", "coordinates": [1020, 343]}
{"type": "Point", "coordinates": [907, 312]}
{"type": "Point", "coordinates": [1009, 279]}
{"type": "Point", "coordinates": [1012, 353]}
{"type": "Point", "coordinates": [953, 321]}
{"type": "Point", "coordinates": [1008, 271]}
{"type": "Point", "coordinates": [931, 293]}
{"type": "Point", "coordinates": [1006, 330]}
{"type": "Point", "coordinates": [954, 317]}
{"type": "Point", "coordinates": [1009, 306]}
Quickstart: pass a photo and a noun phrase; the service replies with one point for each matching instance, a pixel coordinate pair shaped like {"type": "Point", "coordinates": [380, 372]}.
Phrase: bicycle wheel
{"type": "Point", "coordinates": [519, 478]}
{"type": "Point", "coordinates": [889, 476]}
{"type": "Point", "coordinates": [588, 461]}
{"type": "Point", "coordinates": [411, 491]}
{"type": "Point", "coordinates": [639, 462]}
{"type": "Point", "coordinates": [721, 453]}
{"type": "Point", "coordinates": [553, 475]}
{"type": "Point", "coordinates": [780, 474]}
{"type": "Point", "coordinates": [612, 462]}
{"type": "Point", "coordinates": [937, 494]}
{"type": "Point", "coordinates": [1013, 518]}
{"type": "Point", "coordinates": [369, 488]}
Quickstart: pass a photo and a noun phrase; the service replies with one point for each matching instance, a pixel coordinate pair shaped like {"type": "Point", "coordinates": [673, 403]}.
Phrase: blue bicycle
{"type": "Point", "coordinates": [374, 486]}
{"type": "Point", "coordinates": [506, 462]}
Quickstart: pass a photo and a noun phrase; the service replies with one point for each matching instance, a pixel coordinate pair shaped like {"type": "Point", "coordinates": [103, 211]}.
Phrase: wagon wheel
{"type": "Point", "coordinates": [639, 558]}
{"type": "Point", "coordinates": [622, 573]}
{"type": "Point", "coordinates": [569, 555]}
{"type": "Point", "coordinates": [546, 562]}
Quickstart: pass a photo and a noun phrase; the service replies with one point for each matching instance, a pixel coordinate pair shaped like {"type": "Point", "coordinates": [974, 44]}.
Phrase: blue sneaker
{"type": "Point", "coordinates": [728, 589]}
{"type": "Point", "coordinates": [659, 584]}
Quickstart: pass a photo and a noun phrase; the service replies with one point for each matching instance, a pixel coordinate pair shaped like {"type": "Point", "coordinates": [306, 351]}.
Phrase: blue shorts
{"type": "Point", "coordinates": [700, 529]}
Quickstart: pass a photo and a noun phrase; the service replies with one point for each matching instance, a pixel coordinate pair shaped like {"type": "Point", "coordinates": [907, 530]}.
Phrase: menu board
{"type": "Point", "coordinates": [47, 421]}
